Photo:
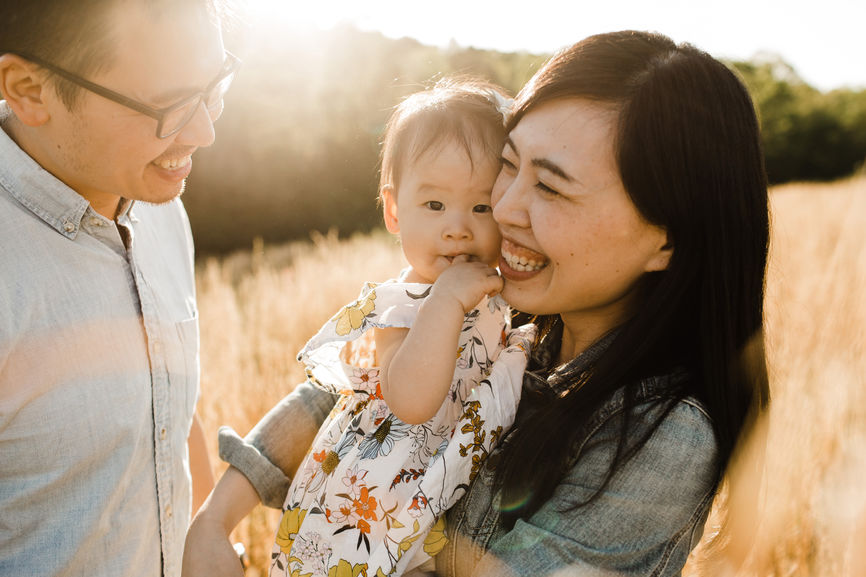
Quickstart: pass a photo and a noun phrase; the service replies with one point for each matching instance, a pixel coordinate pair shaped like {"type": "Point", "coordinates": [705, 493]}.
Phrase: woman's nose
{"type": "Point", "coordinates": [508, 203]}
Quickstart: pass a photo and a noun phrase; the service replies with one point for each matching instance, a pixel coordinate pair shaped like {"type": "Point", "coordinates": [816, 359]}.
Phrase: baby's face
{"type": "Point", "coordinates": [442, 210]}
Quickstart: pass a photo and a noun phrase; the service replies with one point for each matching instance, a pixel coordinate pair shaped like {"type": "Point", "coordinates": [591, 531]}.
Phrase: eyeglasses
{"type": "Point", "coordinates": [171, 119]}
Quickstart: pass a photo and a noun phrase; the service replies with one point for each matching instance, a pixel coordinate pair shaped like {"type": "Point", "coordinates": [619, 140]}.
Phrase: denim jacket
{"type": "Point", "coordinates": [644, 523]}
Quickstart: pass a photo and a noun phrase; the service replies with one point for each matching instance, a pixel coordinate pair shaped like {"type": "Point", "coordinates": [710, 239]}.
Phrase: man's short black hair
{"type": "Point", "coordinates": [73, 34]}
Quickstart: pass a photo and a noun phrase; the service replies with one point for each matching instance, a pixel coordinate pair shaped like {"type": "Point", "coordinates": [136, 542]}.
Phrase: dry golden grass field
{"type": "Point", "coordinates": [259, 307]}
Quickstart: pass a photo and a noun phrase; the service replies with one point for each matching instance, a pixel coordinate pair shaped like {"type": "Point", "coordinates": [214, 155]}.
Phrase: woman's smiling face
{"type": "Point", "coordinates": [573, 242]}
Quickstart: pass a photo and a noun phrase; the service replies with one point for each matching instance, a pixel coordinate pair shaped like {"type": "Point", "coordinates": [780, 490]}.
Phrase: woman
{"type": "Point", "coordinates": [633, 205]}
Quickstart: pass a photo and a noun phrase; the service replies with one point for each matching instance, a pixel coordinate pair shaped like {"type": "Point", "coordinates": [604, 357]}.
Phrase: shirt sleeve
{"type": "Point", "coordinates": [644, 522]}
{"type": "Point", "coordinates": [273, 449]}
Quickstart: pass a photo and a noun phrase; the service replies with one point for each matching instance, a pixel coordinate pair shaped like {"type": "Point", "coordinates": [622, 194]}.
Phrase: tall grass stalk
{"type": "Point", "coordinates": [259, 307]}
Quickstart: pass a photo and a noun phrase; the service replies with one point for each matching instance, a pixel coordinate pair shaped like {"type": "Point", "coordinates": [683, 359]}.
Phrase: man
{"type": "Point", "coordinates": [105, 102]}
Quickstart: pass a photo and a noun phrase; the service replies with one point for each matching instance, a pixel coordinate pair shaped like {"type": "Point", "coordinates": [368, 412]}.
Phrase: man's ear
{"type": "Point", "coordinates": [389, 208]}
{"type": "Point", "coordinates": [24, 89]}
{"type": "Point", "coordinates": [661, 258]}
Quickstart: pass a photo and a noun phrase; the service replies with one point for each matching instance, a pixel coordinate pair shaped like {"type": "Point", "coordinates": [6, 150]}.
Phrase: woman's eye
{"type": "Point", "coordinates": [481, 208]}
{"type": "Point", "coordinates": [508, 164]}
{"type": "Point", "coordinates": [545, 189]}
{"type": "Point", "coordinates": [434, 205]}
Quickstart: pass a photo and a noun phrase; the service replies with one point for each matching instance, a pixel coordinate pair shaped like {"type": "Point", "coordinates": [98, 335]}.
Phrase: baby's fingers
{"type": "Point", "coordinates": [493, 283]}
{"type": "Point", "coordinates": [461, 258]}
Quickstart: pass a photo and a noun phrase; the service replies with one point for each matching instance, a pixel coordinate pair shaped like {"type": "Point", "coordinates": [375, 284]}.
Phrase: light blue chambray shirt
{"type": "Point", "coordinates": [98, 380]}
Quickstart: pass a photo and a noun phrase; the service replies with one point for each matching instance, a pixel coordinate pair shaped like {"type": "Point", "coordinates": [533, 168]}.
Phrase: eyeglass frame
{"type": "Point", "coordinates": [230, 67]}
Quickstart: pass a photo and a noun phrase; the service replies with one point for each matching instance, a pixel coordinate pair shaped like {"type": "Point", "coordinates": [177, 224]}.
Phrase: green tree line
{"type": "Point", "coordinates": [808, 134]}
{"type": "Point", "coordinates": [297, 147]}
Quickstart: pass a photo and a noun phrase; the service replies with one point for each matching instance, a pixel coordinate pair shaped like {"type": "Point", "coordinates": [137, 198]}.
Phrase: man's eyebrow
{"type": "Point", "coordinates": [171, 97]}
{"type": "Point", "coordinates": [175, 95]}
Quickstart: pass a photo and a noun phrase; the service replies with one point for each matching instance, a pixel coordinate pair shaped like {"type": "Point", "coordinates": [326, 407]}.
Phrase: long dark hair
{"type": "Point", "coordinates": [689, 155]}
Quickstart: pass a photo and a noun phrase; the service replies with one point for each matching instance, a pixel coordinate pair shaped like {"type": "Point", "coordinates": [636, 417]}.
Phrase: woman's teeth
{"type": "Point", "coordinates": [524, 263]}
{"type": "Point", "coordinates": [173, 163]}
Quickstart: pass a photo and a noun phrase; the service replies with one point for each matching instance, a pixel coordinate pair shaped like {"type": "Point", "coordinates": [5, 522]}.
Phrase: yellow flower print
{"type": "Point", "coordinates": [351, 316]}
{"type": "Point", "coordinates": [290, 524]}
{"type": "Point", "coordinates": [345, 569]}
{"type": "Point", "coordinates": [436, 538]}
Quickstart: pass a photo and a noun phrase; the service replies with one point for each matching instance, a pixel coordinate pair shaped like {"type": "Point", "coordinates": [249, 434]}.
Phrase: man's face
{"type": "Point", "coordinates": [105, 151]}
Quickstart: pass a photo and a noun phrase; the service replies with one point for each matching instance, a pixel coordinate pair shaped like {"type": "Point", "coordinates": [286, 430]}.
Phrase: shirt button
{"type": "Point", "coordinates": [168, 511]}
{"type": "Point", "coordinates": [68, 226]}
{"type": "Point", "coordinates": [157, 347]}
{"type": "Point", "coordinates": [162, 434]}
{"type": "Point", "coordinates": [95, 222]}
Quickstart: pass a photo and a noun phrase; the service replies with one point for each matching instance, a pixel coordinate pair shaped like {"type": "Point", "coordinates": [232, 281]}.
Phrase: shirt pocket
{"type": "Point", "coordinates": [182, 363]}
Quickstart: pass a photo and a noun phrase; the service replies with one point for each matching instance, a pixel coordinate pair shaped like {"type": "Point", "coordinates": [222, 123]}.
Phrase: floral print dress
{"type": "Point", "coordinates": [368, 498]}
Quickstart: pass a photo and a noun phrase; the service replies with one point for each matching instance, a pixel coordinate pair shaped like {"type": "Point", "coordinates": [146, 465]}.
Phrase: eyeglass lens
{"type": "Point", "coordinates": [176, 119]}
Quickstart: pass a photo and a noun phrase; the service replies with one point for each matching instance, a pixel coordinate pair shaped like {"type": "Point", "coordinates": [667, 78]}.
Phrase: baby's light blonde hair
{"type": "Point", "coordinates": [467, 111]}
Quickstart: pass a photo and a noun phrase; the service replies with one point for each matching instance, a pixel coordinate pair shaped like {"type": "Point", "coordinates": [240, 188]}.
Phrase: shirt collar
{"type": "Point", "coordinates": [543, 375]}
{"type": "Point", "coordinates": [40, 191]}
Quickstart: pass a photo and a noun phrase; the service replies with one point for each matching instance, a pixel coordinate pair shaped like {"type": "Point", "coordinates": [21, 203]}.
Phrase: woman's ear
{"type": "Point", "coordinates": [389, 208]}
{"type": "Point", "coordinates": [24, 90]}
{"type": "Point", "coordinates": [660, 260]}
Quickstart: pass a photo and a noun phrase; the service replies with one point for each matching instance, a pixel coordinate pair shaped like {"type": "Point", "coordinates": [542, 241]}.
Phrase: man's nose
{"type": "Point", "coordinates": [199, 131]}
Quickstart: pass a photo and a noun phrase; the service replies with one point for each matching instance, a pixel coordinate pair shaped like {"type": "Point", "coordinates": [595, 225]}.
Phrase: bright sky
{"type": "Point", "coordinates": [824, 40]}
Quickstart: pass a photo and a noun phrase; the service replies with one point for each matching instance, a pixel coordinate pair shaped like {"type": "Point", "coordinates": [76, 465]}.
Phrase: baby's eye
{"type": "Point", "coordinates": [434, 205]}
{"type": "Point", "coordinates": [481, 208]}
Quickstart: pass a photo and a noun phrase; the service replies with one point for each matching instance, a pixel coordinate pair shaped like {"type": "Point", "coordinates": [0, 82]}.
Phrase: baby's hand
{"type": "Point", "coordinates": [467, 282]}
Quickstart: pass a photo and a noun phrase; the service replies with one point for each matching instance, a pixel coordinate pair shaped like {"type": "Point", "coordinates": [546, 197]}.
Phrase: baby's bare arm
{"type": "Point", "coordinates": [417, 365]}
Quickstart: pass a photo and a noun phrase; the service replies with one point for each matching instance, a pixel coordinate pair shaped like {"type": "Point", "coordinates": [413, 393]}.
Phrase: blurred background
{"type": "Point", "coordinates": [283, 208]}
{"type": "Point", "coordinates": [297, 146]}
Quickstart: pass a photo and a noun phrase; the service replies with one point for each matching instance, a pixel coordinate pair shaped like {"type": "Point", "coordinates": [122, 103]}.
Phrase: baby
{"type": "Point", "coordinates": [413, 424]}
